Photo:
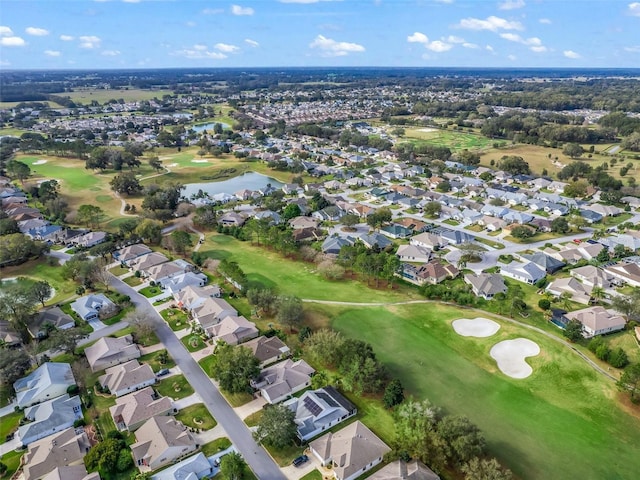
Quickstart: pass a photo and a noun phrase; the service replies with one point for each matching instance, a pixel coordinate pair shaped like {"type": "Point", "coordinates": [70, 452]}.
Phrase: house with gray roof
{"type": "Point", "coordinates": [590, 216]}
{"type": "Point", "coordinates": [373, 239]}
{"type": "Point", "coordinates": [283, 379]}
{"type": "Point", "coordinates": [71, 472]}
{"type": "Point", "coordinates": [49, 417]}
{"type": "Point", "coordinates": [319, 410]}
{"type": "Point", "coordinates": [127, 377]}
{"type": "Point", "coordinates": [131, 411]}
{"type": "Point", "coordinates": [127, 254]}
{"type": "Point", "coordinates": [514, 216]}
{"type": "Point", "coordinates": [109, 351]}
{"type": "Point", "coordinates": [161, 440]}
{"type": "Point", "coordinates": [547, 263]}
{"type": "Point", "coordinates": [485, 285]}
{"type": "Point", "coordinates": [352, 450]}
{"type": "Point", "coordinates": [192, 468]}
{"type": "Point", "coordinates": [48, 381]}
{"type": "Point", "coordinates": [58, 450]}
{"type": "Point", "coordinates": [268, 350]}
{"type": "Point", "coordinates": [401, 470]}
{"type": "Point", "coordinates": [580, 293]}
{"type": "Point", "coordinates": [396, 231]}
{"type": "Point", "coordinates": [183, 280]}
{"type": "Point", "coordinates": [39, 323]}
{"type": "Point", "coordinates": [528, 272]}
{"type": "Point", "coordinates": [89, 307]}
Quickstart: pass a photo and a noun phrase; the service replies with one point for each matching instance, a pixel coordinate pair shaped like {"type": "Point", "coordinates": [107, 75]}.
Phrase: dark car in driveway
{"type": "Point", "coordinates": [299, 460]}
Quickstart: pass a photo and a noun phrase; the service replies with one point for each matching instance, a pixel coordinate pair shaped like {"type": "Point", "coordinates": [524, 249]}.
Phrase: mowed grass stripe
{"type": "Point", "coordinates": [562, 422]}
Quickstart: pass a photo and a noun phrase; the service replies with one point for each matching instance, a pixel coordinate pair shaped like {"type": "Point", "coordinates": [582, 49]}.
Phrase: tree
{"type": "Point", "coordinates": [179, 240]}
{"type": "Point", "coordinates": [264, 299]}
{"type": "Point", "coordinates": [290, 311]}
{"type": "Point", "coordinates": [432, 209]}
{"type": "Point", "coordinates": [514, 165]}
{"type": "Point", "coordinates": [464, 439]}
{"type": "Point", "coordinates": [18, 170]}
{"type": "Point", "coordinates": [16, 248]}
{"type": "Point", "coordinates": [416, 434]}
{"type": "Point", "coordinates": [544, 304]}
{"type": "Point", "coordinates": [444, 186]}
{"type": "Point", "coordinates": [393, 394]}
{"type": "Point", "coordinates": [576, 189]}
{"type": "Point", "coordinates": [8, 226]}
{"type": "Point", "coordinates": [361, 372]}
{"type": "Point", "coordinates": [65, 340]}
{"type": "Point", "coordinates": [322, 347]}
{"type": "Point", "coordinates": [234, 368]}
{"type": "Point", "coordinates": [232, 466]}
{"type": "Point", "coordinates": [560, 225]}
{"type": "Point", "coordinates": [3, 469]}
{"type": "Point", "coordinates": [603, 255]}
{"type": "Point", "coordinates": [13, 365]}
{"type": "Point", "coordinates": [573, 330]}
{"type": "Point", "coordinates": [149, 231]}
{"type": "Point", "coordinates": [104, 455]}
{"type": "Point", "coordinates": [126, 183]}
{"type": "Point", "coordinates": [630, 381]}
{"type": "Point", "coordinates": [485, 469]}
{"type": "Point", "coordinates": [573, 150]}
{"type": "Point", "coordinates": [91, 215]}
{"type": "Point", "coordinates": [522, 232]}
{"type": "Point", "coordinates": [141, 325]}
{"type": "Point", "coordinates": [48, 190]}
{"type": "Point", "coordinates": [330, 270]}
{"type": "Point", "coordinates": [276, 427]}
{"type": "Point", "coordinates": [618, 358]}
{"type": "Point", "coordinates": [379, 217]}
{"type": "Point", "coordinates": [41, 291]}
{"type": "Point", "coordinates": [350, 220]}
{"type": "Point", "coordinates": [291, 211]}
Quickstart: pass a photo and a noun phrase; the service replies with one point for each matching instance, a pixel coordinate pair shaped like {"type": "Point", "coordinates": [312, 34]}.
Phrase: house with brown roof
{"type": "Point", "coordinates": [127, 254]}
{"type": "Point", "coordinates": [593, 276]}
{"type": "Point", "coordinates": [8, 335]}
{"type": "Point", "coordinates": [301, 222]}
{"type": "Point", "coordinates": [131, 411]}
{"type": "Point", "coordinates": [53, 317]}
{"type": "Point", "coordinates": [71, 472]}
{"type": "Point", "coordinates": [144, 262]}
{"type": "Point", "coordinates": [58, 450]}
{"type": "Point", "coordinates": [127, 378]}
{"type": "Point", "coordinates": [352, 450]}
{"type": "Point", "coordinates": [109, 351]}
{"type": "Point", "coordinates": [161, 440]}
{"type": "Point", "coordinates": [428, 240]}
{"type": "Point", "coordinates": [283, 379]}
{"type": "Point", "coordinates": [191, 296]}
{"type": "Point", "coordinates": [596, 320]}
{"type": "Point", "coordinates": [628, 273]}
{"type": "Point", "coordinates": [401, 470]}
{"type": "Point", "coordinates": [433, 272]}
{"type": "Point", "coordinates": [232, 330]}
{"type": "Point", "coordinates": [211, 311]}
{"type": "Point", "coordinates": [268, 350]}
{"type": "Point", "coordinates": [413, 253]}
{"type": "Point", "coordinates": [579, 292]}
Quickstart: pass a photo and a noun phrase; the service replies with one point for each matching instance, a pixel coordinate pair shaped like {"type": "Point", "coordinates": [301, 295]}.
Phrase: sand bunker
{"type": "Point", "coordinates": [172, 165]}
{"type": "Point", "coordinates": [477, 327]}
{"type": "Point", "coordinates": [427, 129]}
{"type": "Point", "coordinates": [200, 160]}
{"type": "Point", "coordinates": [39, 162]}
{"type": "Point", "coordinates": [510, 355]}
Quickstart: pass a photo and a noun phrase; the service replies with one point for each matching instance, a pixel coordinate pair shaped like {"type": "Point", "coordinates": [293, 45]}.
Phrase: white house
{"type": "Point", "coordinates": [48, 381]}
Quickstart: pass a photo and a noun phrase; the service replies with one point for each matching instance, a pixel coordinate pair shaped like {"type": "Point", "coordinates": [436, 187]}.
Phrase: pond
{"type": "Point", "coordinates": [208, 126]}
{"type": "Point", "coordinates": [249, 181]}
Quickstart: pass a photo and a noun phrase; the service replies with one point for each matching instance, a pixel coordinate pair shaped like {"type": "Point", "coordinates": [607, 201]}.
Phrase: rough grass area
{"type": "Point", "coordinates": [196, 416]}
{"type": "Point", "coordinates": [207, 364]}
{"type": "Point", "coordinates": [100, 95]}
{"type": "Point", "coordinates": [237, 399]}
{"type": "Point", "coordinates": [564, 395]}
{"type": "Point", "coordinates": [254, 419]}
{"type": "Point", "coordinates": [175, 387]}
{"type": "Point", "coordinates": [153, 360]}
{"type": "Point", "coordinates": [455, 140]}
{"type": "Point", "coordinates": [40, 270]}
{"type": "Point", "coordinates": [132, 281]}
{"type": "Point", "coordinates": [117, 271]}
{"type": "Point", "coordinates": [292, 277]}
{"type": "Point", "coordinates": [176, 318]}
{"type": "Point", "coordinates": [193, 342]}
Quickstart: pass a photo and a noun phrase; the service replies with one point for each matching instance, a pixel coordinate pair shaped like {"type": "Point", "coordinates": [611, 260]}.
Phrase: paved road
{"type": "Point", "coordinates": [257, 458]}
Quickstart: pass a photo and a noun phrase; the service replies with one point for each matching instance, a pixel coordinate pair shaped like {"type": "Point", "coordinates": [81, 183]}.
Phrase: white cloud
{"type": "Point", "coordinates": [491, 23]}
{"type": "Point", "coordinates": [634, 49]}
{"type": "Point", "coordinates": [200, 47]}
{"type": "Point", "coordinates": [546, 21]}
{"type": "Point", "coordinates": [444, 1]}
{"type": "Point", "coordinates": [439, 46]}
{"type": "Point", "coordinates": [238, 10]}
{"type": "Point", "coordinates": [251, 43]}
{"type": "Point", "coordinates": [110, 53]}
{"type": "Point", "coordinates": [89, 41]}
{"type": "Point", "coordinates": [453, 39]}
{"type": "Point", "coordinates": [12, 41]}
{"type": "Point", "coordinates": [199, 54]}
{"type": "Point", "coordinates": [634, 9]}
{"type": "Point", "coordinates": [4, 63]}
{"type": "Point", "coordinates": [66, 38]}
{"type": "Point", "coordinates": [511, 4]}
{"type": "Point", "coordinates": [512, 57]}
{"type": "Point", "coordinates": [331, 48]}
{"type": "Point", "coordinates": [226, 48]}
{"type": "Point", "coordinates": [5, 31]}
{"type": "Point", "coordinates": [470, 45]}
{"type": "Point", "coordinates": [36, 32]}
{"type": "Point", "coordinates": [534, 43]}
{"type": "Point", "coordinates": [212, 11]}
{"type": "Point", "coordinates": [418, 37]}
{"type": "Point", "coordinates": [131, 1]}
{"type": "Point", "coordinates": [191, 24]}
{"type": "Point", "coordinates": [489, 48]}
{"type": "Point", "coordinates": [538, 49]}
{"type": "Point", "coordinates": [571, 54]}
{"type": "Point", "coordinates": [52, 53]}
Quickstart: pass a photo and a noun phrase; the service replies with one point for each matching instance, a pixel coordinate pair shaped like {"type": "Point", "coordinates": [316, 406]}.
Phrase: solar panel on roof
{"type": "Point", "coordinates": [327, 398]}
{"type": "Point", "coordinates": [312, 406]}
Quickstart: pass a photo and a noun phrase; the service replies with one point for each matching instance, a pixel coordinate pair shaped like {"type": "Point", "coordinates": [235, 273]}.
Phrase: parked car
{"type": "Point", "coordinates": [300, 460]}
{"type": "Point", "coordinates": [217, 461]}
{"type": "Point", "coordinates": [161, 373]}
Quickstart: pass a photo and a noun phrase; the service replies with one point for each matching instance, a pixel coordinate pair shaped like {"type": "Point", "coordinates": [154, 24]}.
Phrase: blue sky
{"type": "Point", "coordinates": [81, 34]}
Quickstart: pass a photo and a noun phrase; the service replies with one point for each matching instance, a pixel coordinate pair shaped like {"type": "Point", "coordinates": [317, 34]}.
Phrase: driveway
{"type": "Point", "coordinates": [11, 445]}
{"type": "Point", "coordinates": [256, 457]}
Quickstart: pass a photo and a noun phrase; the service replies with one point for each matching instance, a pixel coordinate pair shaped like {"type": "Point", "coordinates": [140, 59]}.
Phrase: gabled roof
{"type": "Point", "coordinates": [157, 435]}
{"type": "Point", "coordinates": [233, 329]}
{"type": "Point", "coordinates": [549, 264]}
{"type": "Point", "coordinates": [72, 472]}
{"type": "Point", "coordinates": [126, 375]}
{"type": "Point", "coordinates": [401, 470]}
{"type": "Point", "coordinates": [57, 450]}
{"type": "Point", "coordinates": [486, 284]}
{"type": "Point", "coordinates": [54, 316]}
{"type": "Point", "coordinates": [51, 373]}
{"type": "Point", "coordinates": [283, 378]}
{"type": "Point", "coordinates": [108, 348]}
{"type": "Point", "coordinates": [47, 417]}
{"type": "Point", "coordinates": [139, 406]}
{"type": "Point", "coordinates": [264, 348]}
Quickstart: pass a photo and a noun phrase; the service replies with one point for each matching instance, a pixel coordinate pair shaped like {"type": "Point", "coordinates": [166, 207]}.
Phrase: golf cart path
{"type": "Point", "coordinates": [590, 362]}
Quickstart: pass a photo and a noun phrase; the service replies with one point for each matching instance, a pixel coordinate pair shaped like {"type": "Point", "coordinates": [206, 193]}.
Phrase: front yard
{"type": "Point", "coordinates": [196, 416]}
{"type": "Point", "coordinates": [155, 360]}
{"type": "Point", "coordinates": [150, 291]}
{"type": "Point", "coordinates": [193, 342]}
{"type": "Point", "coordinates": [176, 318]}
{"type": "Point", "coordinates": [175, 387]}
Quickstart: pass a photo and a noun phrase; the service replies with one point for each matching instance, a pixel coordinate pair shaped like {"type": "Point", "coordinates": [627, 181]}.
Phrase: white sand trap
{"type": "Point", "coordinates": [200, 160]}
{"type": "Point", "coordinates": [478, 327]}
{"type": "Point", "coordinates": [427, 129]}
{"type": "Point", "coordinates": [172, 165]}
{"type": "Point", "coordinates": [39, 162]}
{"type": "Point", "coordinates": [510, 355]}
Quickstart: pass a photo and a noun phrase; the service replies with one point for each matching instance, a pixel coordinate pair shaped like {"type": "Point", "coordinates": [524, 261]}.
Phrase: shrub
{"type": "Point", "coordinates": [618, 358]}
{"type": "Point", "coordinates": [73, 389]}
{"type": "Point", "coordinates": [544, 304]}
{"type": "Point", "coordinates": [79, 423]}
{"type": "Point", "coordinates": [125, 462]}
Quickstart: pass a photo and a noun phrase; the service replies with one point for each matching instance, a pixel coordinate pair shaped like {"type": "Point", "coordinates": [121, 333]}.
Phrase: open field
{"type": "Point", "coordinates": [38, 269]}
{"type": "Point", "coordinates": [14, 132]}
{"type": "Point", "coordinates": [101, 95]}
{"type": "Point", "coordinates": [550, 425]}
{"type": "Point", "coordinates": [293, 278]}
{"type": "Point", "coordinates": [446, 138]}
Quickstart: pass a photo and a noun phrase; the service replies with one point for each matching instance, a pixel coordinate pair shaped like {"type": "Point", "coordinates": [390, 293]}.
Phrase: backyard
{"type": "Point", "coordinates": [564, 395]}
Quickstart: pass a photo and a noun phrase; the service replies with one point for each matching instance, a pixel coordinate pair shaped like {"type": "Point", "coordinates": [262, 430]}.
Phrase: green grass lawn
{"type": "Point", "coordinates": [237, 399]}
{"type": "Point", "coordinates": [132, 281]}
{"type": "Point", "coordinates": [9, 424]}
{"type": "Point", "coordinates": [294, 278]}
{"type": "Point", "coordinates": [12, 461]}
{"type": "Point", "coordinates": [154, 362]}
{"type": "Point", "coordinates": [207, 364]}
{"type": "Point", "coordinates": [253, 419]}
{"type": "Point", "coordinates": [313, 475]}
{"type": "Point", "coordinates": [150, 291]}
{"type": "Point", "coordinates": [175, 387]}
{"type": "Point", "coordinates": [197, 416]}
{"type": "Point", "coordinates": [455, 140]}
{"type": "Point", "coordinates": [284, 456]}
{"type": "Point", "coordinates": [550, 425]}
{"type": "Point", "coordinates": [176, 318]}
{"type": "Point", "coordinates": [193, 343]}
{"type": "Point", "coordinates": [40, 270]}
{"type": "Point", "coordinates": [214, 447]}
{"type": "Point", "coordinates": [147, 340]}
{"type": "Point", "coordinates": [117, 271]}
{"type": "Point", "coordinates": [100, 95]}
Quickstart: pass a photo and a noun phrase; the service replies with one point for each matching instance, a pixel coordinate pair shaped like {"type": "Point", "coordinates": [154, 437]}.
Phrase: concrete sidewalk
{"type": "Point", "coordinates": [187, 401]}
{"type": "Point", "coordinates": [243, 411]}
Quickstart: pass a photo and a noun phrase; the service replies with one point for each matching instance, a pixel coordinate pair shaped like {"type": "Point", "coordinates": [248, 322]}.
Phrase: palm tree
{"type": "Point", "coordinates": [597, 293]}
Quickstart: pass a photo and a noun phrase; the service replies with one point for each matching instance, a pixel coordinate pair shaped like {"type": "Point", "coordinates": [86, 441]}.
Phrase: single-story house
{"type": "Point", "coordinates": [131, 411]}
{"type": "Point", "coordinates": [268, 350]}
{"type": "Point", "coordinates": [144, 262]}
{"type": "Point", "coordinates": [8, 335]}
{"type": "Point", "coordinates": [579, 292]}
{"type": "Point", "coordinates": [195, 467]}
{"type": "Point", "coordinates": [183, 280]}
{"type": "Point", "coordinates": [231, 219]}
{"type": "Point", "coordinates": [53, 317]}
{"type": "Point", "coordinates": [283, 379]}
{"type": "Point", "coordinates": [127, 377]}
{"type": "Point", "coordinates": [597, 320]}
{"type": "Point", "coordinates": [48, 381]}
{"type": "Point", "coordinates": [49, 417]}
{"type": "Point", "coordinates": [428, 240]}
{"type": "Point", "coordinates": [90, 306]}
{"type": "Point", "coordinates": [432, 272]}
{"type": "Point", "coordinates": [593, 276]}
{"type": "Point", "coordinates": [352, 450]}
{"type": "Point", "coordinates": [523, 272]}
{"type": "Point", "coordinates": [396, 231]}
{"type": "Point", "coordinates": [232, 329]}
{"type": "Point", "coordinates": [333, 244]}
{"type": "Point", "coordinates": [547, 263]}
{"type": "Point", "coordinates": [109, 351]}
{"type": "Point", "coordinates": [413, 253]}
{"type": "Point", "coordinates": [161, 440]}
{"type": "Point", "coordinates": [126, 254]}
{"type": "Point", "coordinates": [71, 472]}
{"type": "Point", "coordinates": [628, 273]}
{"type": "Point", "coordinates": [486, 285]}
{"type": "Point", "coordinates": [58, 450]}
{"type": "Point", "coordinates": [319, 410]}
{"type": "Point", "coordinates": [374, 239]}
{"type": "Point", "coordinates": [401, 470]}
